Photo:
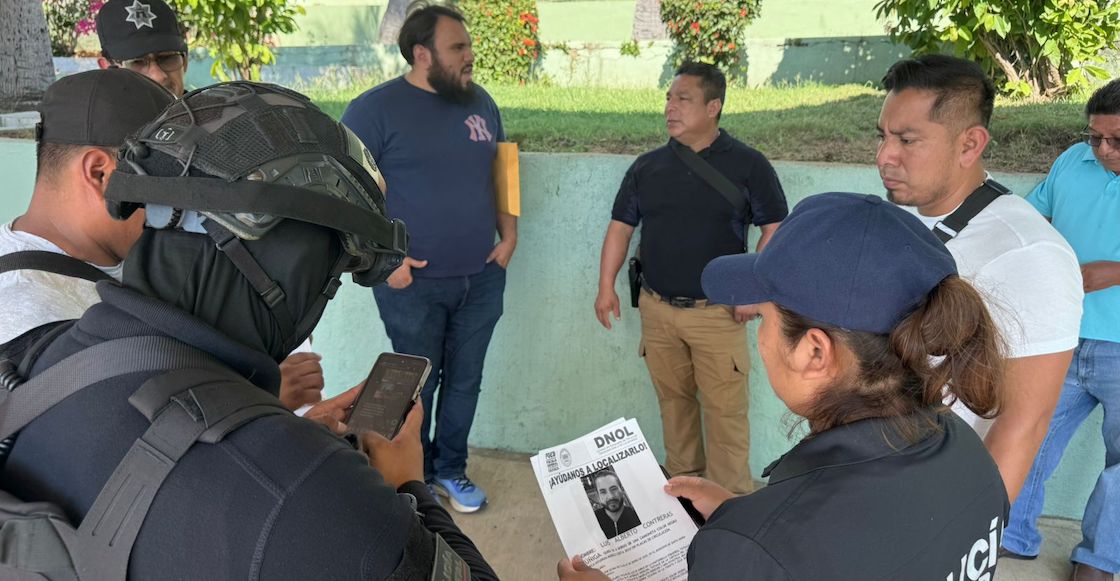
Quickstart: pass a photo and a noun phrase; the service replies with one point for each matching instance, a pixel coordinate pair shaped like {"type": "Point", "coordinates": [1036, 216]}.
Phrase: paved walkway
{"type": "Point", "coordinates": [516, 535]}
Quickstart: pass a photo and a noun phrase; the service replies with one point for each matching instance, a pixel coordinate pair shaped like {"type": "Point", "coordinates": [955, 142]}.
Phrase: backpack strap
{"type": "Point", "coordinates": [204, 403]}
{"type": "Point", "coordinates": [53, 262]}
{"type": "Point", "coordinates": [26, 349]}
{"type": "Point", "coordinates": [40, 338]}
{"type": "Point", "coordinates": [19, 407]}
{"type": "Point", "coordinates": [951, 226]}
{"type": "Point", "coordinates": [31, 535]}
{"type": "Point", "coordinates": [200, 399]}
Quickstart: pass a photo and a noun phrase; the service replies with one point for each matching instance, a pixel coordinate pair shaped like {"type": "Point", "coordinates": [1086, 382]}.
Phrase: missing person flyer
{"type": "Point", "coordinates": [606, 495]}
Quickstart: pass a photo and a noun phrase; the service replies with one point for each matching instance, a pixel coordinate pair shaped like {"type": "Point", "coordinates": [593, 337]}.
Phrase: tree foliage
{"type": "Point", "coordinates": [67, 20]}
{"type": "Point", "coordinates": [238, 33]}
{"type": "Point", "coordinates": [709, 31]}
{"type": "Point", "coordinates": [505, 39]}
{"type": "Point", "coordinates": [1034, 48]}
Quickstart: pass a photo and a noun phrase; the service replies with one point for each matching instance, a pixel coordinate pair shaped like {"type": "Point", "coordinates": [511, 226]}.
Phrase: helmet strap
{"type": "Point", "coordinates": [307, 324]}
{"type": "Point", "coordinates": [268, 289]}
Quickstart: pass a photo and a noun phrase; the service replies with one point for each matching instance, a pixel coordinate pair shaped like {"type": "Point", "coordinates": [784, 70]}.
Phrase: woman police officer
{"type": "Point", "coordinates": [866, 330]}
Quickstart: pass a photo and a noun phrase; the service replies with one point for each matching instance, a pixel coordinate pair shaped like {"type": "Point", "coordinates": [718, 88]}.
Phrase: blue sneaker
{"type": "Point", "coordinates": [463, 495]}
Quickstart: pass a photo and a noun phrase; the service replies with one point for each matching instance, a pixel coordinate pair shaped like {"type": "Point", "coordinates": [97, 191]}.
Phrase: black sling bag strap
{"type": "Point", "coordinates": [51, 262]}
{"type": "Point", "coordinates": [710, 175]}
{"type": "Point", "coordinates": [951, 226]}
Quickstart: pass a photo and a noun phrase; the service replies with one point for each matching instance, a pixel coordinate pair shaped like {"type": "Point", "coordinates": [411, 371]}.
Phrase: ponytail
{"type": "Point", "coordinates": [948, 348]}
{"type": "Point", "coordinates": [952, 344]}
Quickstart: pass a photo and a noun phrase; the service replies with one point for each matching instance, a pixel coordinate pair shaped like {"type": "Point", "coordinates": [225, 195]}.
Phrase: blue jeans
{"type": "Point", "coordinates": [449, 321]}
{"type": "Point", "coordinates": [1093, 378]}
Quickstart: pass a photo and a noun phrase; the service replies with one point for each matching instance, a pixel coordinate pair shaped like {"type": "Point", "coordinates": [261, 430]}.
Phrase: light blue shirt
{"type": "Point", "coordinates": [1082, 200]}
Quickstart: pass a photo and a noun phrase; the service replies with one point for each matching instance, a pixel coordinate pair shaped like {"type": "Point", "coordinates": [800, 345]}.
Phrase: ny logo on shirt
{"type": "Point", "coordinates": [478, 129]}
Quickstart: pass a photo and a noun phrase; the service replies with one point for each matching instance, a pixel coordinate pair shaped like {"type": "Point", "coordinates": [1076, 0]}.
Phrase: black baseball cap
{"type": "Point", "coordinates": [854, 261]}
{"type": "Point", "coordinates": [99, 107]}
{"type": "Point", "coordinates": [133, 28]}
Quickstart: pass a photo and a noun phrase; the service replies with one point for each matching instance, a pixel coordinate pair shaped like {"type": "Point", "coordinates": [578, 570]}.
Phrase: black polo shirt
{"type": "Point", "coordinates": [686, 222]}
{"type": "Point", "coordinates": [857, 502]}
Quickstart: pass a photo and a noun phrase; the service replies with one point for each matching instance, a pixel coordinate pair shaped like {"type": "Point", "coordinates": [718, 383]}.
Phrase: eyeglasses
{"type": "Point", "coordinates": [167, 62]}
{"type": "Point", "coordinates": [1095, 141]}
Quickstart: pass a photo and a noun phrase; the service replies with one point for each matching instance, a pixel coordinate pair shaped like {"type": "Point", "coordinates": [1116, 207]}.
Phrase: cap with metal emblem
{"type": "Point", "coordinates": [130, 29]}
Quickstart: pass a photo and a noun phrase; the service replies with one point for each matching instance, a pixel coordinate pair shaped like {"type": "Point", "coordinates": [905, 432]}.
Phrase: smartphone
{"type": "Point", "coordinates": [388, 394]}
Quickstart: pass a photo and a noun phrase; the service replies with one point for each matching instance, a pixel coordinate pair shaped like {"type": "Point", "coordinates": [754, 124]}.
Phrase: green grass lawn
{"type": "Point", "coordinates": [802, 123]}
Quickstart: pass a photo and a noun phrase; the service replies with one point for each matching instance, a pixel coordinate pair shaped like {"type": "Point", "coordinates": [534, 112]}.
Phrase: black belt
{"type": "Point", "coordinates": [679, 302]}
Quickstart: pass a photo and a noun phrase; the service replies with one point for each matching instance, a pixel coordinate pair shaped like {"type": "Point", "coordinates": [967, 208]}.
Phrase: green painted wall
{"type": "Point", "coordinates": [827, 41]}
{"type": "Point", "coordinates": [774, 61]}
{"type": "Point", "coordinates": [553, 373]}
{"type": "Point", "coordinates": [355, 21]}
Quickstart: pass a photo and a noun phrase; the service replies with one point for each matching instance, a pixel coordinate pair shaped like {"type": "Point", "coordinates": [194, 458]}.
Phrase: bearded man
{"type": "Point", "coordinates": [434, 134]}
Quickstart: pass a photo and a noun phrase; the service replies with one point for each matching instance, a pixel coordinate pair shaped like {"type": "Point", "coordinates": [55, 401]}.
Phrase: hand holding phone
{"type": "Point", "coordinates": [388, 394]}
{"type": "Point", "coordinates": [401, 459]}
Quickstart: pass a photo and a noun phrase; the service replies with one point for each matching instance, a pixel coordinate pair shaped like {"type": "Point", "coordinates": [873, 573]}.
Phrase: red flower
{"type": "Point", "coordinates": [695, 27]}
{"type": "Point", "coordinates": [742, 13]}
{"type": "Point", "coordinates": [529, 42]}
{"type": "Point", "coordinates": [731, 46]}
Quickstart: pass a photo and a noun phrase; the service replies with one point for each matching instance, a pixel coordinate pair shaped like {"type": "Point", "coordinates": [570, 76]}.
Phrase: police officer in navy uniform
{"type": "Point", "coordinates": [144, 37]}
{"type": "Point", "coordinates": [865, 325]}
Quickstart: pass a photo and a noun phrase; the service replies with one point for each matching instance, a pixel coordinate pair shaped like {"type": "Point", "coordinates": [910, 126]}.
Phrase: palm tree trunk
{"type": "Point", "coordinates": [647, 21]}
{"type": "Point", "coordinates": [26, 68]}
{"type": "Point", "coordinates": [392, 21]}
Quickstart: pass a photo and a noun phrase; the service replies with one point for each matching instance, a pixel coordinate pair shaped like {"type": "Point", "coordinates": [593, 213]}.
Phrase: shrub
{"type": "Point", "coordinates": [504, 33]}
{"type": "Point", "coordinates": [67, 20]}
{"type": "Point", "coordinates": [237, 34]}
{"type": "Point", "coordinates": [708, 31]}
{"type": "Point", "coordinates": [1040, 49]}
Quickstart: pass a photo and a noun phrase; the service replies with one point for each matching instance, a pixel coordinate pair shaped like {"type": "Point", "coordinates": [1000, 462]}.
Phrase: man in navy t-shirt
{"type": "Point", "coordinates": [434, 134]}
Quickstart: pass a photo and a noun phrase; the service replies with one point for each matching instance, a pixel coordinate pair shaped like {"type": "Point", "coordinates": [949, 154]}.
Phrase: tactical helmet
{"type": "Point", "coordinates": [249, 156]}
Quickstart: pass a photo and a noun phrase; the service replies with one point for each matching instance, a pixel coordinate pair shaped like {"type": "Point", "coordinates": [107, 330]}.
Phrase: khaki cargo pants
{"type": "Point", "coordinates": [697, 359]}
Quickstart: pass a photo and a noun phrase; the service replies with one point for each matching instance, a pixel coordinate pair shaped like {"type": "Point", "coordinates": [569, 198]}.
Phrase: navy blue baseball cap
{"type": "Point", "coordinates": [854, 261]}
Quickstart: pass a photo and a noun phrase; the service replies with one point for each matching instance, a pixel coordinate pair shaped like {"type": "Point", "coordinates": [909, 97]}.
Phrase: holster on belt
{"type": "Point", "coordinates": [635, 277]}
